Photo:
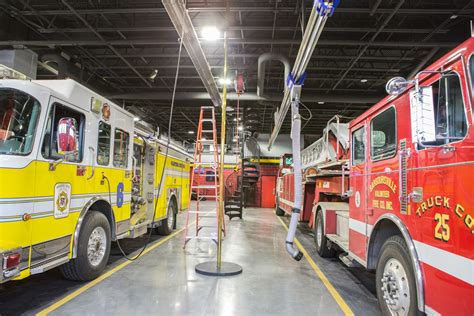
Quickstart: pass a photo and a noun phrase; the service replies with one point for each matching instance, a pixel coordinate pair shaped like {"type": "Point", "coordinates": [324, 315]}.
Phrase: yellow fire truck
{"type": "Point", "coordinates": [76, 174]}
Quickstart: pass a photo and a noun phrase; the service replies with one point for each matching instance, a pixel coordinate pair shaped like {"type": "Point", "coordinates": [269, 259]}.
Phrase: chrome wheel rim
{"type": "Point", "coordinates": [319, 232]}
{"type": "Point", "coordinates": [395, 288]}
{"type": "Point", "coordinates": [170, 218]}
{"type": "Point", "coordinates": [96, 246]}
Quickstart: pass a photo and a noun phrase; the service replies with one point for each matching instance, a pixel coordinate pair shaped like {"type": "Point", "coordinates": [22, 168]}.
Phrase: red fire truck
{"type": "Point", "coordinates": [391, 190]}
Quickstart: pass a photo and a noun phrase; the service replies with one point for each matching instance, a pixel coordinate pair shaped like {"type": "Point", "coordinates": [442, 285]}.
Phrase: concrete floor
{"type": "Point", "coordinates": [164, 281]}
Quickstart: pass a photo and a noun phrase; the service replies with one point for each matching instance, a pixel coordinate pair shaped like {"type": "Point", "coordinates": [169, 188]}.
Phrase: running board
{"type": "Point", "coordinates": [49, 265]}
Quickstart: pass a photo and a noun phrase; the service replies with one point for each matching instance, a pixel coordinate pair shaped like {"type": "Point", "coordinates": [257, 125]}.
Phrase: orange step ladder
{"type": "Point", "coordinates": [206, 127]}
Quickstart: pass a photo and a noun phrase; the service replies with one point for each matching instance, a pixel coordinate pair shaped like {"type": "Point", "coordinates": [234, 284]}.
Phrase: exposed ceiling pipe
{"type": "Point", "coordinates": [61, 64]}
{"type": "Point", "coordinates": [261, 69]}
{"type": "Point", "coordinates": [184, 26]}
{"type": "Point", "coordinates": [248, 96]}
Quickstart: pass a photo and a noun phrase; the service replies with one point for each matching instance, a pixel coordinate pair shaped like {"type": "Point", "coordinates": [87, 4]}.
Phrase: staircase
{"type": "Point", "coordinates": [233, 198]}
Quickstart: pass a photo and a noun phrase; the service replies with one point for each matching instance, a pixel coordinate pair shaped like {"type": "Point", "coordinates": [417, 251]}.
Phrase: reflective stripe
{"type": "Point", "coordinates": [455, 265]}
{"type": "Point", "coordinates": [360, 227]}
{"type": "Point", "coordinates": [287, 202]}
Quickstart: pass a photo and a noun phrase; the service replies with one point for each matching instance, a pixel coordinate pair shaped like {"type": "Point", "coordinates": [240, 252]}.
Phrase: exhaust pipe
{"type": "Point", "coordinates": [294, 252]}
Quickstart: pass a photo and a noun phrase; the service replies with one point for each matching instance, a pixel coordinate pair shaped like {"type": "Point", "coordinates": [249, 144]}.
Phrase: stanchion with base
{"type": "Point", "coordinates": [219, 268]}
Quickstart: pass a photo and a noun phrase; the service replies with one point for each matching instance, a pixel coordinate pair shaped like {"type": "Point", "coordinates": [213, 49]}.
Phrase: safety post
{"type": "Point", "coordinates": [218, 267]}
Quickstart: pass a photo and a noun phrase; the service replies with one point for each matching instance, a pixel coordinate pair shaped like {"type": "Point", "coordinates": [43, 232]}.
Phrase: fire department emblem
{"type": "Point", "coordinates": [357, 199]}
{"type": "Point", "coordinates": [62, 200]}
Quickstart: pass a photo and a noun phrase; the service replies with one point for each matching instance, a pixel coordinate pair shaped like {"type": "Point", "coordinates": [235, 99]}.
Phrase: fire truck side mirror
{"type": "Point", "coordinates": [396, 85]}
{"type": "Point", "coordinates": [422, 115]}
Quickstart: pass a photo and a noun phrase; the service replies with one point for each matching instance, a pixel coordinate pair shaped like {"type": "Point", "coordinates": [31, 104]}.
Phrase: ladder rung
{"type": "Point", "coordinates": [207, 196]}
{"type": "Point", "coordinates": [199, 237]}
{"type": "Point", "coordinates": [202, 212]}
{"type": "Point", "coordinates": [208, 131]}
{"type": "Point", "coordinates": [206, 141]}
{"type": "Point", "coordinates": [207, 107]}
{"type": "Point", "coordinates": [207, 120]}
{"type": "Point", "coordinates": [204, 187]}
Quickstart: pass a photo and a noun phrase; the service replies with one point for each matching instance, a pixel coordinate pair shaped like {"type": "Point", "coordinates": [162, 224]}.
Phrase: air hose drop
{"type": "Point", "coordinates": [296, 148]}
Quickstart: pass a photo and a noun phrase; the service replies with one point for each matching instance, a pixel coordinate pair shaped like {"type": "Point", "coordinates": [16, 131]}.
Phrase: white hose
{"type": "Point", "coordinates": [298, 199]}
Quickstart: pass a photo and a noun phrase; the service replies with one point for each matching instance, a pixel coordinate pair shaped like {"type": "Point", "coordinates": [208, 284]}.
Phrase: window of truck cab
{"type": "Point", "coordinates": [121, 144]}
{"type": "Point", "coordinates": [471, 75]}
{"type": "Point", "coordinates": [103, 144]}
{"type": "Point", "coordinates": [358, 146]}
{"type": "Point", "coordinates": [19, 113]}
{"type": "Point", "coordinates": [383, 135]}
{"type": "Point", "coordinates": [54, 137]}
{"type": "Point", "coordinates": [449, 110]}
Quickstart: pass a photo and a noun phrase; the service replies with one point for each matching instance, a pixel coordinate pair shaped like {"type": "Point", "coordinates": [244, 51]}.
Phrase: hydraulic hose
{"type": "Point", "coordinates": [294, 252]}
{"type": "Point", "coordinates": [164, 163]}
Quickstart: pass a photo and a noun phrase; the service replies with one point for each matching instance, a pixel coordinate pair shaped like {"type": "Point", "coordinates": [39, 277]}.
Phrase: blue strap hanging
{"type": "Point", "coordinates": [291, 80]}
{"type": "Point", "coordinates": [325, 8]}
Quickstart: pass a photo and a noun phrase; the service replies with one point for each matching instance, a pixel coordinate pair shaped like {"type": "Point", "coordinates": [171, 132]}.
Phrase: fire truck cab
{"type": "Point", "coordinates": [398, 199]}
{"type": "Point", "coordinates": [75, 174]}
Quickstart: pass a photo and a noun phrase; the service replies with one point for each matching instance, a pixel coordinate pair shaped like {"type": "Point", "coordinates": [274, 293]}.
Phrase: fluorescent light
{"type": "Point", "coordinates": [136, 119]}
{"type": "Point", "coordinates": [363, 80]}
{"type": "Point", "coordinates": [223, 81]}
{"type": "Point", "coordinates": [210, 33]}
{"type": "Point", "coordinates": [240, 128]}
{"type": "Point", "coordinates": [321, 102]}
{"type": "Point", "coordinates": [190, 132]}
{"type": "Point", "coordinates": [235, 120]}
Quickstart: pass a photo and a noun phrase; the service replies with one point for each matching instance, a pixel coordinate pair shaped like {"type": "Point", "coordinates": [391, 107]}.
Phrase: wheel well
{"type": "Point", "coordinates": [174, 200]}
{"type": "Point", "coordinates": [381, 232]}
{"type": "Point", "coordinates": [104, 208]}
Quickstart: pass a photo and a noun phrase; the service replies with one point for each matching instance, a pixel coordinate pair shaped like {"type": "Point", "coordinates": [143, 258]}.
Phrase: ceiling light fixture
{"type": "Point", "coordinates": [223, 81]}
{"type": "Point", "coordinates": [320, 102]}
{"type": "Point", "coordinates": [240, 128]}
{"type": "Point", "coordinates": [136, 119]}
{"type": "Point", "coordinates": [363, 80]}
{"type": "Point", "coordinates": [190, 132]}
{"type": "Point", "coordinates": [210, 33]}
{"type": "Point", "coordinates": [153, 74]}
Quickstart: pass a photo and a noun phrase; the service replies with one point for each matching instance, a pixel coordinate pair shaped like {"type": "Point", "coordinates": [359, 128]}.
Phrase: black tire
{"type": "Point", "coordinates": [393, 249]}
{"type": "Point", "coordinates": [169, 223]}
{"type": "Point", "coordinates": [323, 247]}
{"type": "Point", "coordinates": [81, 268]}
{"type": "Point", "coordinates": [278, 210]}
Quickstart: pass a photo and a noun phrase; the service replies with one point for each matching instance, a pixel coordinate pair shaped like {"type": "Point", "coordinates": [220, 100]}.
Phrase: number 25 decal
{"type": "Point", "coordinates": [442, 228]}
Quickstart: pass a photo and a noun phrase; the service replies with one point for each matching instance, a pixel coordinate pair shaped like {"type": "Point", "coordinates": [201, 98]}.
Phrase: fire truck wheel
{"type": "Point", "coordinates": [322, 244]}
{"type": "Point", "coordinates": [168, 224]}
{"type": "Point", "coordinates": [278, 210]}
{"type": "Point", "coordinates": [92, 251]}
{"type": "Point", "coordinates": [396, 289]}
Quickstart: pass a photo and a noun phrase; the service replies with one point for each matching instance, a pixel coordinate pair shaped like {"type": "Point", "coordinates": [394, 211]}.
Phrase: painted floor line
{"type": "Point", "coordinates": [332, 290]}
{"type": "Point", "coordinates": [104, 276]}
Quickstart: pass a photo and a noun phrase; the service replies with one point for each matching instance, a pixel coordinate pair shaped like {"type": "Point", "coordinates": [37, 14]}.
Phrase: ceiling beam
{"type": "Point", "coordinates": [143, 29]}
{"type": "Point", "coordinates": [323, 97]}
{"type": "Point", "coordinates": [154, 10]}
{"type": "Point", "coordinates": [316, 56]}
{"type": "Point", "coordinates": [146, 42]}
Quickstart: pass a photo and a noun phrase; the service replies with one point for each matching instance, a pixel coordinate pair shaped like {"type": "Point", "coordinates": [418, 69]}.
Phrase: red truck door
{"type": "Point", "coordinates": [358, 183]}
{"type": "Point", "coordinates": [443, 195]}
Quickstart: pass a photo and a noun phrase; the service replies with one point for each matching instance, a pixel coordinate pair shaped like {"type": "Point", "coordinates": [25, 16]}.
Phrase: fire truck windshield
{"type": "Point", "coordinates": [18, 117]}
